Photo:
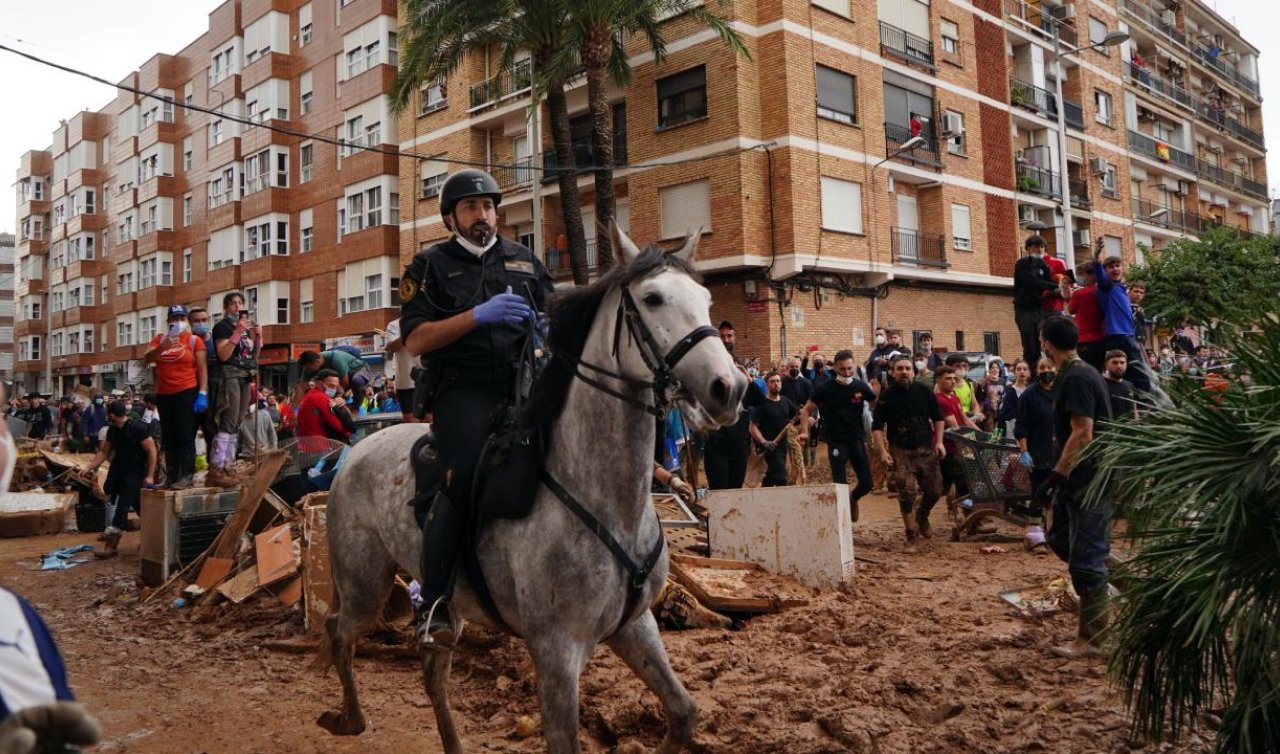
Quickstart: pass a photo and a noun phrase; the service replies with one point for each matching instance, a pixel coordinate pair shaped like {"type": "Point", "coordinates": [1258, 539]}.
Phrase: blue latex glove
{"type": "Point", "coordinates": [202, 403]}
{"type": "Point", "coordinates": [1025, 459]}
{"type": "Point", "coordinates": [504, 307]}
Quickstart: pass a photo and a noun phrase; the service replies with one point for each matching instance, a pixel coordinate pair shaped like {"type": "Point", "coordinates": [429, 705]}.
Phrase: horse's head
{"type": "Point", "coordinates": [675, 310]}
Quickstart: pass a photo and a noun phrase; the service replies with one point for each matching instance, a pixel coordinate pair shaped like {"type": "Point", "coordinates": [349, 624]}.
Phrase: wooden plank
{"type": "Point", "coordinates": [317, 576]}
{"type": "Point", "coordinates": [289, 592]}
{"type": "Point", "coordinates": [274, 551]}
{"type": "Point", "coordinates": [213, 572]}
{"type": "Point", "coordinates": [244, 584]}
{"type": "Point", "coordinates": [722, 595]}
{"type": "Point", "coordinates": [228, 541]}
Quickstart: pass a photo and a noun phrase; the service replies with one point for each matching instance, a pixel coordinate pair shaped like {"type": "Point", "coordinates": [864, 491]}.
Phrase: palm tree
{"type": "Point", "coordinates": [598, 27]}
{"type": "Point", "coordinates": [437, 36]}
{"type": "Point", "coordinates": [1200, 486]}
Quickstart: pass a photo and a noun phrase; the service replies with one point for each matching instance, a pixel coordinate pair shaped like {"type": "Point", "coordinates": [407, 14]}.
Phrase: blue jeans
{"type": "Point", "coordinates": [1081, 536]}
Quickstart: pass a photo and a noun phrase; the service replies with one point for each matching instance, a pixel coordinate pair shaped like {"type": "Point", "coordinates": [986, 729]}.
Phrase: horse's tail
{"type": "Point", "coordinates": [324, 655]}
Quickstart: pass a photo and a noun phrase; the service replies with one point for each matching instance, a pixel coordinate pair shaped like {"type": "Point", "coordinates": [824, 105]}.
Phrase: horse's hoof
{"type": "Point", "coordinates": [341, 724]}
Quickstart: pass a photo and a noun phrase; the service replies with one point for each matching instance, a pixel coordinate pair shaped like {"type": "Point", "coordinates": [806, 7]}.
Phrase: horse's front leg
{"type": "Point", "coordinates": [559, 662]}
{"type": "Point", "coordinates": [640, 646]}
{"type": "Point", "coordinates": [436, 665]}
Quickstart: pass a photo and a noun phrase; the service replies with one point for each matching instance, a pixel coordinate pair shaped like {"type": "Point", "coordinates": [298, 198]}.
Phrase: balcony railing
{"type": "Point", "coordinates": [1079, 190]}
{"type": "Point", "coordinates": [910, 247]}
{"type": "Point", "coordinates": [505, 84]}
{"type": "Point", "coordinates": [558, 263]}
{"type": "Point", "coordinates": [1159, 150]}
{"type": "Point", "coordinates": [1044, 102]}
{"type": "Point", "coordinates": [584, 156]}
{"type": "Point", "coordinates": [514, 177]}
{"type": "Point", "coordinates": [1166, 217]}
{"type": "Point", "coordinates": [906, 46]}
{"type": "Point", "coordinates": [1227, 70]}
{"type": "Point", "coordinates": [1231, 180]}
{"type": "Point", "coordinates": [1073, 113]}
{"type": "Point", "coordinates": [1217, 115]}
{"type": "Point", "coordinates": [925, 154]}
{"type": "Point", "coordinates": [1155, 21]}
{"type": "Point", "coordinates": [1034, 18]}
{"type": "Point", "coordinates": [1143, 76]}
{"type": "Point", "coordinates": [1039, 181]}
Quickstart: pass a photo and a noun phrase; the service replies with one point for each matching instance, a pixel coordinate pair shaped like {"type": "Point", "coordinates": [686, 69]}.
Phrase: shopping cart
{"type": "Point", "coordinates": [999, 485]}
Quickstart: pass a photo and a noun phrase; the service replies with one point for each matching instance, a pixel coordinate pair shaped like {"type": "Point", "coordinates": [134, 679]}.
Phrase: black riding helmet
{"type": "Point", "coordinates": [464, 183]}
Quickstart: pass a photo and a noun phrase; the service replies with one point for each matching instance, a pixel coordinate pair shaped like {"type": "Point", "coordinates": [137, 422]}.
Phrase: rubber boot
{"type": "Point", "coordinates": [922, 523]}
{"type": "Point", "coordinates": [111, 544]}
{"type": "Point", "coordinates": [186, 471]}
{"type": "Point", "coordinates": [441, 540]}
{"type": "Point", "coordinates": [913, 531]}
{"type": "Point", "coordinates": [1095, 613]}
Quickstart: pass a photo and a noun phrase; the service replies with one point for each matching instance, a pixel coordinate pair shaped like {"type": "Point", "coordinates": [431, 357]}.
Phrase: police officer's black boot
{"type": "Point", "coordinates": [442, 536]}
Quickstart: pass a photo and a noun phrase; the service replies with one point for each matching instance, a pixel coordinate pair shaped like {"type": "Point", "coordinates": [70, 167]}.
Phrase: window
{"type": "Point", "coordinates": [304, 25]}
{"type": "Point", "coordinates": [215, 133]}
{"type": "Point", "coordinates": [1097, 32]}
{"type": "Point", "coordinates": [837, 95]}
{"type": "Point", "coordinates": [282, 311]}
{"type": "Point", "coordinates": [188, 212]}
{"type": "Point", "coordinates": [307, 96]}
{"type": "Point", "coordinates": [682, 97]}
{"type": "Point", "coordinates": [841, 205]}
{"type": "Point", "coordinates": [186, 155]}
{"type": "Point", "coordinates": [188, 93]}
{"type": "Point", "coordinates": [373, 291]}
{"type": "Point", "coordinates": [685, 208]}
{"type": "Point", "coordinates": [959, 340]}
{"type": "Point", "coordinates": [186, 265]}
{"type": "Point", "coordinates": [961, 229]}
{"type": "Point", "coordinates": [258, 238]}
{"type": "Point", "coordinates": [991, 342]}
{"type": "Point", "coordinates": [308, 238]}
{"type": "Point", "coordinates": [306, 155]}
{"type": "Point", "coordinates": [1111, 246]}
{"type": "Point", "coordinates": [147, 269]}
{"type": "Point", "coordinates": [950, 33]}
{"type": "Point", "coordinates": [259, 174]}
{"type": "Point", "coordinates": [1102, 101]}
{"type": "Point", "coordinates": [90, 206]}
{"type": "Point", "coordinates": [1110, 188]}
{"type": "Point", "coordinates": [306, 301]}
{"type": "Point", "coordinates": [838, 7]}
{"type": "Point", "coordinates": [431, 184]}
{"type": "Point", "coordinates": [953, 130]}
{"type": "Point", "coordinates": [434, 96]}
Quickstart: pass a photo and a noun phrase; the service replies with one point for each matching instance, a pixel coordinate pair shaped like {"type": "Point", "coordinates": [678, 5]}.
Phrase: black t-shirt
{"type": "Point", "coordinates": [737, 436]}
{"type": "Point", "coordinates": [1121, 398]}
{"type": "Point", "coordinates": [798, 389]}
{"type": "Point", "coordinates": [842, 407]}
{"type": "Point", "coordinates": [126, 448]}
{"type": "Point", "coordinates": [772, 416]}
{"type": "Point", "coordinates": [242, 352]}
{"type": "Point", "coordinates": [907, 414]}
{"type": "Point", "coordinates": [1035, 425]}
{"type": "Point", "coordinates": [1079, 391]}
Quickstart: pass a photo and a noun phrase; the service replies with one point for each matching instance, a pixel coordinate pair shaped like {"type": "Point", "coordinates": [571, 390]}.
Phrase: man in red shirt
{"type": "Point", "coordinates": [1084, 306]}
{"type": "Point", "coordinates": [1053, 300]}
{"type": "Point", "coordinates": [323, 414]}
{"type": "Point", "coordinates": [944, 386]}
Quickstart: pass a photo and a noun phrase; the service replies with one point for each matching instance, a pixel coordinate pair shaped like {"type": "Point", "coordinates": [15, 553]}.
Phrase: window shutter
{"type": "Point", "coordinates": [685, 208]}
{"type": "Point", "coordinates": [841, 205]}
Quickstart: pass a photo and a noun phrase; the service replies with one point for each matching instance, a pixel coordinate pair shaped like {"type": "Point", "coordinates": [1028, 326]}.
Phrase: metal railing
{"type": "Point", "coordinates": [1229, 71]}
{"type": "Point", "coordinates": [925, 154]}
{"type": "Point", "coordinates": [1039, 181]}
{"type": "Point", "coordinates": [558, 263]}
{"type": "Point", "coordinates": [1217, 115]}
{"type": "Point", "coordinates": [1032, 97]}
{"type": "Point", "coordinates": [504, 84]}
{"type": "Point", "coordinates": [1159, 150]}
{"type": "Point", "coordinates": [584, 156]}
{"type": "Point", "coordinates": [1073, 113]}
{"type": "Point", "coordinates": [1155, 21]}
{"type": "Point", "coordinates": [910, 247]}
{"type": "Point", "coordinates": [520, 174]}
{"type": "Point", "coordinates": [1078, 188]}
{"type": "Point", "coordinates": [905, 45]}
{"type": "Point", "coordinates": [1143, 76]}
{"type": "Point", "coordinates": [1166, 217]}
{"type": "Point", "coordinates": [1035, 18]}
{"type": "Point", "coordinates": [1231, 180]}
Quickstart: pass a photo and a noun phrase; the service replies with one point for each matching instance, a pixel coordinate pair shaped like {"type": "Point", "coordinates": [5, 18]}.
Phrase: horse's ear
{"type": "Point", "coordinates": [624, 249]}
{"type": "Point", "coordinates": [690, 245]}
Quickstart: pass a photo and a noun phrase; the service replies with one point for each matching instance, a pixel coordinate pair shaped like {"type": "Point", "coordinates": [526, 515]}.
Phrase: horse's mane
{"type": "Point", "coordinates": [573, 312]}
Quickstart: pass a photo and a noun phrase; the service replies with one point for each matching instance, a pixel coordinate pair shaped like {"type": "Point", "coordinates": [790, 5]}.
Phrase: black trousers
{"type": "Point", "coordinates": [726, 467]}
{"type": "Point", "coordinates": [462, 419]}
{"type": "Point", "coordinates": [178, 431]}
{"type": "Point", "coordinates": [776, 467]}
{"type": "Point", "coordinates": [841, 456]}
{"type": "Point", "coordinates": [1029, 321]}
{"type": "Point", "coordinates": [1093, 353]}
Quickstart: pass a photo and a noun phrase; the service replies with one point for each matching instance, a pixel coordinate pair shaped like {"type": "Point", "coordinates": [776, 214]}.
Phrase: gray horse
{"type": "Point", "coordinates": [554, 581]}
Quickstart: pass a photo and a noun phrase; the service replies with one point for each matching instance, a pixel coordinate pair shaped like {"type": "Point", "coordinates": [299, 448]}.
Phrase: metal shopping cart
{"type": "Point", "coordinates": [999, 485]}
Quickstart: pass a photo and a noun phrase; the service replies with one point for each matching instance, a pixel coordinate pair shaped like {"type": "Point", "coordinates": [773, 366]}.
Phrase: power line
{"type": "Point", "coordinates": [343, 143]}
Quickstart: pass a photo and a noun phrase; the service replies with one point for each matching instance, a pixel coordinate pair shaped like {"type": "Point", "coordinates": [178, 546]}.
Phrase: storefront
{"type": "Point", "coordinates": [274, 367]}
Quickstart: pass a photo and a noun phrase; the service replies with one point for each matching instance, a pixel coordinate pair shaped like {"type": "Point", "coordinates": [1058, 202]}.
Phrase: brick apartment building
{"type": "Point", "coordinates": [7, 245]}
{"type": "Point", "coordinates": [146, 203]}
{"type": "Point", "coordinates": [818, 227]}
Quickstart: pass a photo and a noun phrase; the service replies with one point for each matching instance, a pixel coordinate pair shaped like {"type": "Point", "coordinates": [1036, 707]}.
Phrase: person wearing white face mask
{"type": "Point", "coordinates": [182, 391]}
{"type": "Point", "coordinates": [843, 402]}
{"type": "Point", "coordinates": [323, 415]}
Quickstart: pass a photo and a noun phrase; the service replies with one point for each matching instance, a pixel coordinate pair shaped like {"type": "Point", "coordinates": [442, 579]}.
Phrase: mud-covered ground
{"type": "Point", "coordinates": [917, 654]}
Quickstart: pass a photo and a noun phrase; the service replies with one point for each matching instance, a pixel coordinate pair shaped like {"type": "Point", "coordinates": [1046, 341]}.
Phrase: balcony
{"type": "Point", "coordinates": [1231, 180]}
{"type": "Point", "coordinates": [1079, 190]}
{"type": "Point", "coordinates": [558, 260]}
{"type": "Point", "coordinates": [1166, 217]}
{"type": "Point", "coordinates": [907, 47]}
{"type": "Point", "coordinates": [502, 86]}
{"type": "Point", "coordinates": [583, 155]}
{"type": "Point", "coordinates": [1041, 22]}
{"type": "Point", "coordinates": [1158, 150]}
{"type": "Point", "coordinates": [926, 154]}
{"type": "Point", "coordinates": [1044, 102]}
{"type": "Point", "coordinates": [1216, 115]}
{"type": "Point", "coordinates": [912, 248]}
{"type": "Point", "coordinates": [1073, 114]}
{"type": "Point", "coordinates": [1211, 59]}
{"type": "Point", "coordinates": [514, 178]}
{"type": "Point", "coordinates": [1038, 181]}
{"type": "Point", "coordinates": [1160, 24]}
{"type": "Point", "coordinates": [1143, 77]}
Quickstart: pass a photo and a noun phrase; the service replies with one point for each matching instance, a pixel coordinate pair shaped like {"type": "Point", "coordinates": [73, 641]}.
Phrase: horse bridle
{"type": "Point", "coordinates": [662, 366]}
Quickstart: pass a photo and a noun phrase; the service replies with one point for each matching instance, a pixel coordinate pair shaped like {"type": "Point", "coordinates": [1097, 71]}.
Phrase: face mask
{"type": "Point", "coordinates": [183, 325]}
{"type": "Point", "coordinates": [844, 380]}
{"type": "Point", "coordinates": [201, 328]}
{"type": "Point", "coordinates": [794, 373]}
{"type": "Point", "coordinates": [1193, 371]}
{"type": "Point", "coordinates": [880, 340]}
{"type": "Point", "coordinates": [920, 365]}
{"type": "Point", "coordinates": [1046, 378]}
{"type": "Point", "coordinates": [754, 373]}
{"type": "Point", "coordinates": [97, 401]}
{"type": "Point", "coordinates": [817, 366]}
{"type": "Point", "coordinates": [332, 392]}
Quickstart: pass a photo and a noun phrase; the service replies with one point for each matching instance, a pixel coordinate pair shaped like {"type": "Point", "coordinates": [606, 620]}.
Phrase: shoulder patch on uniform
{"type": "Point", "coordinates": [408, 288]}
{"type": "Point", "coordinates": [518, 265]}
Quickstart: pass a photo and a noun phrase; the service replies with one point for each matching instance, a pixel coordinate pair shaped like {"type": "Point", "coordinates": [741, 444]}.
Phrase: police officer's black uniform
{"type": "Point", "coordinates": [472, 376]}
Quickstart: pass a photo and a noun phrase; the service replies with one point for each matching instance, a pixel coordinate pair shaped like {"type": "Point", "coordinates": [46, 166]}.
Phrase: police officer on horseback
{"type": "Point", "coordinates": [466, 304]}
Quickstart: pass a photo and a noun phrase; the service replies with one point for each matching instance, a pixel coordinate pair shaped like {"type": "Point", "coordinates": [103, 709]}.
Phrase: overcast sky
{"type": "Point", "coordinates": [113, 38]}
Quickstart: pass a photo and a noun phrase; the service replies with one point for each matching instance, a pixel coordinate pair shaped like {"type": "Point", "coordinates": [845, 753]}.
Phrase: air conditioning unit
{"type": "Point", "coordinates": [953, 124]}
{"type": "Point", "coordinates": [1184, 188]}
{"type": "Point", "coordinates": [1081, 238]}
{"type": "Point", "coordinates": [1145, 114]}
{"type": "Point", "coordinates": [1026, 213]}
{"type": "Point", "coordinates": [1097, 165]}
{"type": "Point", "coordinates": [1169, 18]}
{"type": "Point", "coordinates": [1171, 184]}
{"type": "Point", "coordinates": [1067, 12]}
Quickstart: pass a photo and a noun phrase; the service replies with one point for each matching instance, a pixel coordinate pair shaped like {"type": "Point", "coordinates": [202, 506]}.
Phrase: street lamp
{"type": "Point", "coordinates": [906, 146]}
{"type": "Point", "coordinates": [1110, 40]}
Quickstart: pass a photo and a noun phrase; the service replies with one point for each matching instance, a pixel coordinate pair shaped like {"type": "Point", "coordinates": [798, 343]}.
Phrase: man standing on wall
{"type": "Point", "coordinates": [1032, 278]}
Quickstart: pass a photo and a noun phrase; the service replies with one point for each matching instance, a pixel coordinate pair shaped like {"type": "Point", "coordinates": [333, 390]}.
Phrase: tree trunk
{"type": "Point", "coordinates": [567, 176]}
{"type": "Point", "coordinates": [597, 50]}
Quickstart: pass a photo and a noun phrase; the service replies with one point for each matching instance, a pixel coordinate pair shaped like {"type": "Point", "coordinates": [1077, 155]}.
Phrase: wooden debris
{"type": "Point", "coordinates": [290, 592]}
{"type": "Point", "coordinates": [26, 514]}
{"type": "Point", "coordinates": [214, 571]}
{"type": "Point", "coordinates": [244, 584]}
{"type": "Point", "coordinates": [735, 586]}
{"type": "Point", "coordinates": [228, 542]}
{"type": "Point", "coordinates": [273, 549]}
{"type": "Point", "coordinates": [317, 576]}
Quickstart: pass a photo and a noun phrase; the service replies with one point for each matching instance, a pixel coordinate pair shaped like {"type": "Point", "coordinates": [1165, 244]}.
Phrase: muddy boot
{"type": "Point", "coordinates": [1095, 612]}
{"type": "Point", "coordinates": [922, 523]}
{"type": "Point", "coordinates": [912, 529]}
{"type": "Point", "coordinates": [441, 540]}
{"type": "Point", "coordinates": [218, 477]}
{"type": "Point", "coordinates": [110, 544]}
{"type": "Point", "coordinates": [186, 473]}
